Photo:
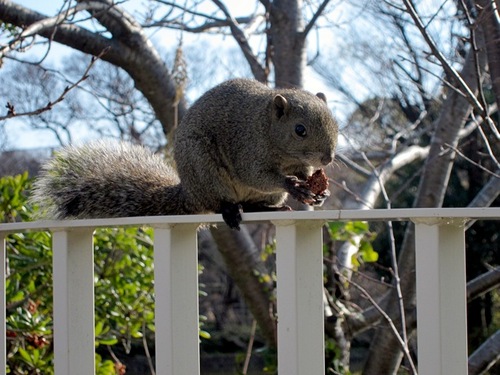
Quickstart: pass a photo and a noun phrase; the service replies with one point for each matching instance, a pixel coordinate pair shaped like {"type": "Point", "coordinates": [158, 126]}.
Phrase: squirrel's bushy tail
{"type": "Point", "coordinates": [108, 179]}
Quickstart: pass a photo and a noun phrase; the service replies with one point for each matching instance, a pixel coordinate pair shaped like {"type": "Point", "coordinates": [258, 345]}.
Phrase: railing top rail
{"type": "Point", "coordinates": [430, 215]}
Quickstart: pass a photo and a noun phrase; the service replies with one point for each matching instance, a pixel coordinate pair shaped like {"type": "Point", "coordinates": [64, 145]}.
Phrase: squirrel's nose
{"type": "Point", "coordinates": [327, 159]}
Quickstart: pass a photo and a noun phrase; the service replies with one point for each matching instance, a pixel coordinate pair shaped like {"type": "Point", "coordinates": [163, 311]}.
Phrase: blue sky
{"type": "Point", "coordinates": [341, 18]}
{"type": "Point", "coordinates": [20, 135]}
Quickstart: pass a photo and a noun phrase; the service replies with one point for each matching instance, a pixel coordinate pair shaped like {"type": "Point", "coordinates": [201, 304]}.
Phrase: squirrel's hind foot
{"type": "Point", "coordinates": [231, 213]}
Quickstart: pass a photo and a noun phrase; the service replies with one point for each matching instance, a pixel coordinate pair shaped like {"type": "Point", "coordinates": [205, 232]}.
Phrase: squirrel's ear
{"type": "Point", "coordinates": [280, 105]}
{"type": "Point", "coordinates": [321, 96]}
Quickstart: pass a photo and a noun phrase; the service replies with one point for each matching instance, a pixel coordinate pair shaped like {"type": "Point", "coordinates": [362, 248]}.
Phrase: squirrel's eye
{"type": "Point", "coordinates": [300, 130]}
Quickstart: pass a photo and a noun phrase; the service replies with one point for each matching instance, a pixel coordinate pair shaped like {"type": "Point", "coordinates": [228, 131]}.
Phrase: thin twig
{"type": "Point", "coordinates": [365, 294]}
{"type": "Point", "coordinates": [353, 165]}
{"type": "Point", "coordinates": [250, 346]}
{"type": "Point", "coordinates": [395, 268]}
{"type": "Point", "coordinates": [146, 348]}
{"type": "Point", "coordinates": [450, 71]}
{"type": "Point", "coordinates": [315, 17]}
{"type": "Point", "coordinates": [472, 161]}
{"type": "Point", "coordinates": [11, 111]}
{"type": "Point", "coordinates": [355, 196]}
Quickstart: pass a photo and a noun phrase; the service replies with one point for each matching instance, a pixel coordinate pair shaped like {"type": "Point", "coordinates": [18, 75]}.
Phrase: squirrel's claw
{"type": "Point", "coordinates": [231, 213]}
{"type": "Point", "coordinates": [299, 190]}
{"type": "Point", "coordinates": [319, 199]}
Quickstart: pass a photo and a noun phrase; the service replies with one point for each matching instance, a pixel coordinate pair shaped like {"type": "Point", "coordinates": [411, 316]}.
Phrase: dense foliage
{"type": "Point", "coordinates": [123, 288]}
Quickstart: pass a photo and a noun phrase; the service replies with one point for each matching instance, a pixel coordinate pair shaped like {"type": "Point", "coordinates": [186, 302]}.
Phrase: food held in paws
{"type": "Point", "coordinates": [318, 182]}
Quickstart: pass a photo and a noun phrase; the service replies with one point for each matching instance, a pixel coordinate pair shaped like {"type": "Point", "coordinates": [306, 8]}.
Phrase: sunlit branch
{"type": "Point", "coordinates": [11, 111]}
{"type": "Point", "coordinates": [450, 71]}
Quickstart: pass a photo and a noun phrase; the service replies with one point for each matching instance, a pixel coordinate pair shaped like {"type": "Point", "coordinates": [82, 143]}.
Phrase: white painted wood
{"type": "Point", "coordinates": [486, 213]}
{"type": "Point", "coordinates": [73, 278]}
{"type": "Point", "coordinates": [176, 300]}
{"type": "Point", "coordinates": [441, 299]}
{"type": "Point", "coordinates": [440, 286]}
{"type": "Point", "coordinates": [299, 269]}
{"type": "Point", "coordinates": [3, 331]}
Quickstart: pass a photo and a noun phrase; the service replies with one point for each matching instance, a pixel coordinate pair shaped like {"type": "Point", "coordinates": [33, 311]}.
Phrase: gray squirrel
{"type": "Point", "coordinates": [240, 147]}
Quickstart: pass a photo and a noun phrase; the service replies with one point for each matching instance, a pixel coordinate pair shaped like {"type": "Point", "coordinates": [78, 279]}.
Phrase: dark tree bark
{"type": "Point", "coordinates": [242, 259]}
{"type": "Point", "coordinates": [486, 355]}
{"type": "Point", "coordinates": [488, 19]}
{"type": "Point", "coordinates": [288, 42]}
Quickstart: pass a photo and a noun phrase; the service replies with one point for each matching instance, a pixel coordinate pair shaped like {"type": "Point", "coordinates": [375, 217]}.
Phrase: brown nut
{"type": "Point", "coordinates": [318, 182]}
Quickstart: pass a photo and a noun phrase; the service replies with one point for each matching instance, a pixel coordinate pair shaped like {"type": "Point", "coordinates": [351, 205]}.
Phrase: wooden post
{"type": "Point", "coordinates": [176, 300]}
{"type": "Point", "coordinates": [441, 298]}
{"type": "Point", "coordinates": [73, 278]}
{"type": "Point", "coordinates": [299, 268]}
{"type": "Point", "coordinates": [3, 331]}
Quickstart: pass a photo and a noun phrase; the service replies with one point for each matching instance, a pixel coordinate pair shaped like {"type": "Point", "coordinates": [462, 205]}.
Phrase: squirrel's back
{"type": "Point", "coordinates": [105, 179]}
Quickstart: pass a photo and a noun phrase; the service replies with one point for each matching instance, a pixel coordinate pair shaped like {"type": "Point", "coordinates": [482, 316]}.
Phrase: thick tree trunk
{"type": "Point", "coordinates": [243, 262]}
{"type": "Point", "coordinates": [288, 42]}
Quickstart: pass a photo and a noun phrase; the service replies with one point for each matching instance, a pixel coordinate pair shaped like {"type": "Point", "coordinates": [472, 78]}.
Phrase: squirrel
{"type": "Point", "coordinates": [241, 146]}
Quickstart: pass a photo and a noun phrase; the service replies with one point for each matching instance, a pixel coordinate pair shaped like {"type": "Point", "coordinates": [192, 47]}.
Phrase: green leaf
{"type": "Point", "coordinates": [368, 254]}
{"type": "Point", "coordinates": [205, 335]}
{"type": "Point", "coordinates": [108, 341]}
{"type": "Point", "coordinates": [357, 227]}
{"type": "Point", "coordinates": [98, 328]}
{"type": "Point", "coordinates": [25, 356]}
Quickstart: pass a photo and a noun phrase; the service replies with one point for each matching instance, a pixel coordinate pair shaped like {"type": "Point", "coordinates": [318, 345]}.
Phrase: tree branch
{"type": "Point", "coordinates": [449, 70]}
{"type": "Point", "coordinates": [314, 18]}
{"type": "Point", "coordinates": [389, 321]}
{"type": "Point", "coordinates": [131, 53]}
{"type": "Point", "coordinates": [240, 38]}
{"type": "Point", "coordinates": [353, 165]}
{"type": "Point", "coordinates": [209, 25]}
{"type": "Point", "coordinates": [486, 355]}
{"type": "Point", "coordinates": [11, 108]}
{"type": "Point", "coordinates": [483, 284]}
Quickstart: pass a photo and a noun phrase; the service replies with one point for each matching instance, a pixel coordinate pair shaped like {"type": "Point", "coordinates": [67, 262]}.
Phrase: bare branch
{"type": "Point", "coordinates": [394, 262]}
{"type": "Point", "coordinates": [314, 18]}
{"type": "Point", "coordinates": [483, 284]}
{"type": "Point", "coordinates": [389, 321]}
{"type": "Point", "coordinates": [475, 48]}
{"type": "Point", "coordinates": [450, 71]}
{"type": "Point", "coordinates": [11, 109]}
{"type": "Point", "coordinates": [485, 356]}
{"type": "Point", "coordinates": [258, 71]}
{"type": "Point", "coordinates": [131, 52]}
{"type": "Point", "coordinates": [49, 23]}
{"type": "Point", "coordinates": [486, 195]}
{"type": "Point", "coordinates": [207, 26]}
{"type": "Point", "coordinates": [353, 165]}
{"type": "Point", "coordinates": [472, 161]}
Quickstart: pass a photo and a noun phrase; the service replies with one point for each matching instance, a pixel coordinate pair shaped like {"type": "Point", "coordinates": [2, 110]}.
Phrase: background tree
{"type": "Point", "coordinates": [419, 79]}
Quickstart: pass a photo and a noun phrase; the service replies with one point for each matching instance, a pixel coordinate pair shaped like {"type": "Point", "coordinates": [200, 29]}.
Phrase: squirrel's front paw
{"type": "Point", "coordinates": [299, 190]}
{"type": "Point", "coordinates": [319, 199]}
{"type": "Point", "coordinates": [231, 213]}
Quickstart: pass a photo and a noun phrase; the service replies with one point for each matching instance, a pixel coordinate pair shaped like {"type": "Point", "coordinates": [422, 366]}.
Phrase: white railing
{"type": "Point", "coordinates": [440, 269]}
